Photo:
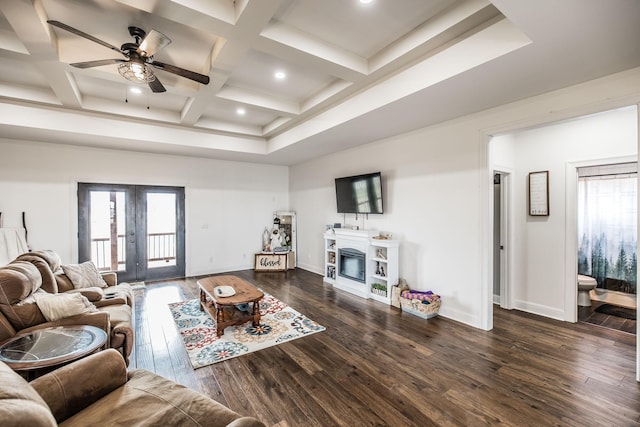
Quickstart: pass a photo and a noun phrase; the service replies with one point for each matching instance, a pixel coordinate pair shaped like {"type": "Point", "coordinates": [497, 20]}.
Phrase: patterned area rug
{"type": "Point", "coordinates": [279, 323]}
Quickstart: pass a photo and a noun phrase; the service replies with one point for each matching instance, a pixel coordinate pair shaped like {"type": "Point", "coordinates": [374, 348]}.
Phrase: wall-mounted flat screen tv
{"type": "Point", "coordinates": [360, 194]}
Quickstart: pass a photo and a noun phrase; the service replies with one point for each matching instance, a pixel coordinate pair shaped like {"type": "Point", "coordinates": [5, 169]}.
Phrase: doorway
{"type": "Point", "coordinates": [501, 239]}
{"type": "Point", "coordinates": [137, 231]}
{"type": "Point", "coordinates": [607, 243]}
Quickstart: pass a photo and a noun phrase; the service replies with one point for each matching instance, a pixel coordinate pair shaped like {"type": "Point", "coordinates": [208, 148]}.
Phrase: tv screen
{"type": "Point", "coordinates": [360, 194]}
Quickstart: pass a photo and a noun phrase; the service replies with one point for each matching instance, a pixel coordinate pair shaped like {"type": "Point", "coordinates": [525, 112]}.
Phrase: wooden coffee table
{"type": "Point", "coordinates": [223, 309]}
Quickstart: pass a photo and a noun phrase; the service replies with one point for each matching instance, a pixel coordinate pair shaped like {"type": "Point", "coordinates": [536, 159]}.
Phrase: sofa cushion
{"type": "Point", "coordinates": [50, 257]}
{"type": "Point", "coordinates": [71, 388]}
{"type": "Point", "coordinates": [20, 405]}
{"type": "Point", "coordinates": [25, 313]}
{"type": "Point", "coordinates": [58, 306]}
{"type": "Point", "coordinates": [122, 333]}
{"type": "Point", "coordinates": [149, 399]}
{"type": "Point", "coordinates": [18, 280]}
{"type": "Point", "coordinates": [47, 262]}
{"type": "Point", "coordinates": [84, 275]}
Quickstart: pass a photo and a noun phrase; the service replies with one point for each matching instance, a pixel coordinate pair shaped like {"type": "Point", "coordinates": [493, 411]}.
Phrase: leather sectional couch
{"type": "Point", "coordinates": [98, 391]}
{"type": "Point", "coordinates": [36, 273]}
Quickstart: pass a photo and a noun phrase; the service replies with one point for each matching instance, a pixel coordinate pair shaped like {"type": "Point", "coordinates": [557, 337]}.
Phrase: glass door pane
{"type": "Point", "coordinates": [161, 230]}
{"type": "Point", "coordinates": [107, 230]}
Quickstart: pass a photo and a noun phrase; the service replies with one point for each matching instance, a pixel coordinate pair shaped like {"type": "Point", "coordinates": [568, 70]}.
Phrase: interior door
{"type": "Point", "coordinates": [137, 231]}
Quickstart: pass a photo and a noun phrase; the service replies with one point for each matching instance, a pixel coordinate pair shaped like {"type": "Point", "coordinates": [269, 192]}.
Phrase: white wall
{"type": "Point", "coordinates": [437, 193]}
{"type": "Point", "coordinates": [432, 190]}
{"type": "Point", "coordinates": [228, 204]}
{"type": "Point", "coordinates": [539, 253]}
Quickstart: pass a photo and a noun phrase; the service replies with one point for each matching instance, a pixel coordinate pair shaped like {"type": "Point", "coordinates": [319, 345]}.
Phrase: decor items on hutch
{"type": "Point", "coordinates": [539, 193]}
{"type": "Point", "coordinates": [361, 263]}
{"type": "Point", "coordinates": [278, 244]}
{"type": "Point", "coordinates": [285, 223]}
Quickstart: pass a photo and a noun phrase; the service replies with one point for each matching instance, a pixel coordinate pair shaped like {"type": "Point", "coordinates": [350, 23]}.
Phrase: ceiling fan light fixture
{"type": "Point", "coordinates": [136, 71]}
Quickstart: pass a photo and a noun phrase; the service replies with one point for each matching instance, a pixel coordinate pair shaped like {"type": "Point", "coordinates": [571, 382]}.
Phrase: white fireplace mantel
{"type": "Point", "coordinates": [363, 241]}
{"type": "Point", "coordinates": [356, 239]}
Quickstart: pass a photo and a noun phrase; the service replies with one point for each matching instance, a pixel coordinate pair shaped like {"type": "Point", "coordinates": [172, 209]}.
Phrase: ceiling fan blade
{"type": "Point", "coordinates": [156, 86]}
{"type": "Point", "coordinates": [152, 43]}
{"type": "Point", "coordinates": [192, 75]}
{"type": "Point", "coordinates": [97, 63]}
{"type": "Point", "coordinates": [82, 34]}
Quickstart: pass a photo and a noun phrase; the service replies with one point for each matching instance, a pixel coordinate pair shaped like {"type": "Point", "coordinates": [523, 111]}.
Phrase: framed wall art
{"type": "Point", "coordinates": [539, 193]}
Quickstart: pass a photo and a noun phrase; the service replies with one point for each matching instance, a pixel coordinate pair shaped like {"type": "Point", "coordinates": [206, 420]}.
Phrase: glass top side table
{"type": "Point", "coordinates": [51, 347]}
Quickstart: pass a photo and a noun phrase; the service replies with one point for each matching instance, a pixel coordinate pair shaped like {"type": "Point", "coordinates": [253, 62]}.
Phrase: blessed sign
{"type": "Point", "coordinates": [271, 262]}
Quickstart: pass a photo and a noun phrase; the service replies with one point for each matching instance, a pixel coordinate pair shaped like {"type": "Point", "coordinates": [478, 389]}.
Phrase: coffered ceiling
{"type": "Point", "coordinates": [353, 72]}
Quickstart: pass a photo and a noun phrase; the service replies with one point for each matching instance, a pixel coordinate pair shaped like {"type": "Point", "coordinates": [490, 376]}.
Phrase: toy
{"type": "Point", "coordinates": [265, 240]}
{"type": "Point", "coordinates": [276, 239]}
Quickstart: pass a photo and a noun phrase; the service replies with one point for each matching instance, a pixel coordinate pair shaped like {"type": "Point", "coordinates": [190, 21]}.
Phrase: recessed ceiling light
{"type": "Point", "coordinates": [135, 90]}
{"type": "Point", "coordinates": [280, 75]}
{"type": "Point", "coordinates": [365, 1]}
{"type": "Point", "coordinates": [241, 111]}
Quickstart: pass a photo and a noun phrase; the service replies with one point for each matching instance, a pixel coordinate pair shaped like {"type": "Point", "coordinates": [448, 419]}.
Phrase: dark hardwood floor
{"type": "Point", "coordinates": [376, 366]}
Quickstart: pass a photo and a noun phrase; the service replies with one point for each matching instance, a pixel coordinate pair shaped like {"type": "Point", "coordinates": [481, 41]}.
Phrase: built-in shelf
{"type": "Point", "coordinates": [329, 259]}
{"type": "Point", "coordinates": [380, 265]}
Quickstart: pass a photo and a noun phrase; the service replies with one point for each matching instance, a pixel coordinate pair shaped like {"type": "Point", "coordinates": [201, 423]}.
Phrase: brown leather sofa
{"type": "Point", "coordinates": [98, 391]}
{"type": "Point", "coordinates": [20, 280]}
{"type": "Point", "coordinates": [54, 280]}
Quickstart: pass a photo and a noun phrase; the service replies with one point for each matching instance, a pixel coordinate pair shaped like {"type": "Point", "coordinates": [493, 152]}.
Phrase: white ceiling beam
{"type": "Point", "coordinates": [11, 43]}
{"type": "Point", "coordinates": [233, 128]}
{"type": "Point", "coordinates": [216, 16]}
{"type": "Point", "coordinates": [28, 93]}
{"type": "Point", "coordinates": [334, 89]}
{"type": "Point", "coordinates": [255, 99]}
{"type": "Point", "coordinates": [29, 23]}
{"type": "Point", "coordinates": [62, 83]}
{"type": "Point", "coordinates": [280, 121]}
{"type": "Point", "coordinates": [23, 16]}
{"type": "Point", "coordinates": [117, 127]}
{"type": "Point", "coordinates": [428, 36]}
{"type": "Point", "coordinates": [253, 16]}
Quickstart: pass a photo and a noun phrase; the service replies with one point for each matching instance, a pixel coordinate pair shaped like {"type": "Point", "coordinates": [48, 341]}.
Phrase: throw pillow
{"type": "Point", "coordinates": [58, 306]}
{"type": "Point", "coordinates": [84, 275]}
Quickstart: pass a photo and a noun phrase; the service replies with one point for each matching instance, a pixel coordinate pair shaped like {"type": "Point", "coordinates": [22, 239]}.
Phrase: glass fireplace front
{"type": "Point", "coordinates": [351, 264]}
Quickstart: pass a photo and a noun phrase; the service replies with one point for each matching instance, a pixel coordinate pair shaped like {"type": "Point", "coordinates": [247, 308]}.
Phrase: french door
{"type": "Point", "coordinates": [135, 230]}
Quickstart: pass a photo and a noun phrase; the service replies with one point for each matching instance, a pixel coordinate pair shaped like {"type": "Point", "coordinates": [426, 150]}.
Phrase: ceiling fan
{"type": "Point", "coordinates": [139, 56]}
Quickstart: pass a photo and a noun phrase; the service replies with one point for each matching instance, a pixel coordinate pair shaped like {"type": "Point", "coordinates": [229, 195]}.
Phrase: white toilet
{"type": "Point", "coordinates": [585, 284]}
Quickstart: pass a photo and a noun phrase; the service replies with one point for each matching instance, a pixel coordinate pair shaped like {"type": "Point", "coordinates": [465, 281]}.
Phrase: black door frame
{"type": "Point", "coordinates": [135, 218]}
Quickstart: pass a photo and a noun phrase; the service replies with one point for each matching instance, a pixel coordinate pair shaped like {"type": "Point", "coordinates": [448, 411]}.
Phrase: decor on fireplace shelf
{"type": "Point", "coordinates": [379, 289]}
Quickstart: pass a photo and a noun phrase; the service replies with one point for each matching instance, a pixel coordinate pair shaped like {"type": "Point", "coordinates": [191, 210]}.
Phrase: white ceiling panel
{"type": "Point", "coordinates": [363, 29]}
{"type": "Point", "coordinates": [256, 71]}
